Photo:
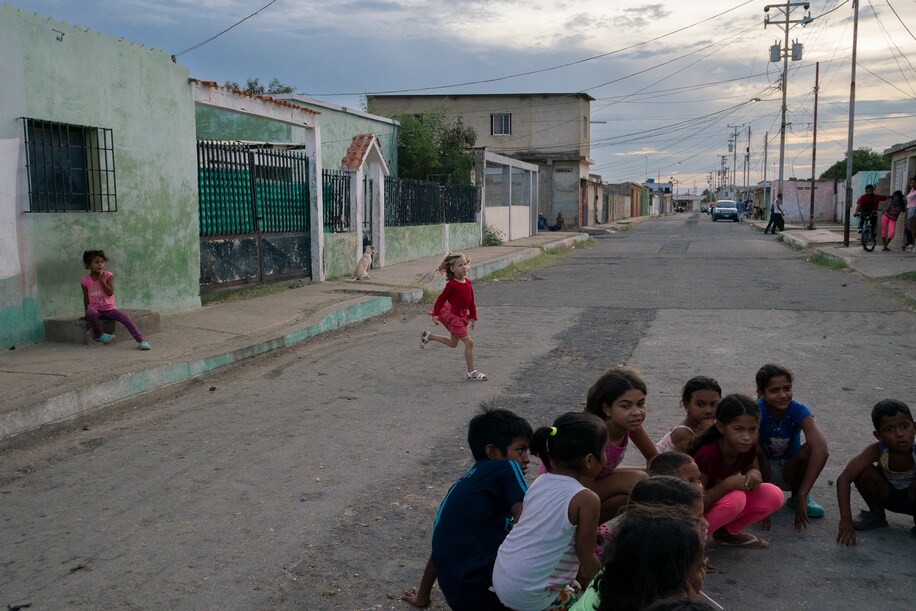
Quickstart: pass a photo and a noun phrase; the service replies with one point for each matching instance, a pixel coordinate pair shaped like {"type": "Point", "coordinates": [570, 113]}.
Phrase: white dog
{"type": "Point", "coordinates": [363, 265]}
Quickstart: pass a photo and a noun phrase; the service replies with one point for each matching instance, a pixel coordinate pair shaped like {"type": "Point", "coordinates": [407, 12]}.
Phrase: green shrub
{"type": "Point", "coordinates": [492, 236]}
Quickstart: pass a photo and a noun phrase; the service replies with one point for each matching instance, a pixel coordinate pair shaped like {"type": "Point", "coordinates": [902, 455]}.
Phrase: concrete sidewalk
{"type": "Point", "coordinates": [827, 239]}
{"type": "Point", "coordinates": [49, 382]}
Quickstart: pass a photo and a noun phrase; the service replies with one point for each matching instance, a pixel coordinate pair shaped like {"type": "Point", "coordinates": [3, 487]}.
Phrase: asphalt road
{"type": "Point", "coordinates": [309, 478]}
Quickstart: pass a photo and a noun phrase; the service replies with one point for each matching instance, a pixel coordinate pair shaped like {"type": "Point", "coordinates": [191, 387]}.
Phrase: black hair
{"type": "Point", "coordinates": [897, 195]}
{"type": "Point", "coordinates": [730, 407]}
{"type": "Point", "coordinates": [498, 427]}
{"type": "Point", "coordinates": [573, 436]}
{"type": "Point", "coordinates": [698, 383]}
{"type": "Point", "coordinates": [867, 187]}
{"type": "Point", "coordinates": [667, 463]}
{"type": "Point", "coordinates": [609, 387]}
{"type": "Point", "coordinates": [665, 490]}
{"type": "Point", "coordinates": [680, 603]}
{"type": "Point", "coordinates": [650, 556]}
{"type": "Point", "coordinates": [888, 408]}
{"type": "Point", "coordinates": [768, 372]}
{"type": "Point", "coordinates": [89, 255]}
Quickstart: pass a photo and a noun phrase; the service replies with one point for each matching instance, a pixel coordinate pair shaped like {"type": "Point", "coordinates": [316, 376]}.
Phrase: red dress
{"type": "Point", "coordinates": [455, 307]}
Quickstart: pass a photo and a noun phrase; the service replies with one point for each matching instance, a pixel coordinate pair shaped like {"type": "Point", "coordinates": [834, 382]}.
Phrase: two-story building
{"type": "Point", "coordinates": [551, 130]}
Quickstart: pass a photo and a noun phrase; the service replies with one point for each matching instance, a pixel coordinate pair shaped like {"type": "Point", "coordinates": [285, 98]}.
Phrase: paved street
{"type": "Point", "coordinates": [309, 478]}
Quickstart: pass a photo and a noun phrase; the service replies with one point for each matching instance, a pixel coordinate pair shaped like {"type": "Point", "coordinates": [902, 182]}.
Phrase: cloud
{"type": "Point", "coordinates": [641, 16]}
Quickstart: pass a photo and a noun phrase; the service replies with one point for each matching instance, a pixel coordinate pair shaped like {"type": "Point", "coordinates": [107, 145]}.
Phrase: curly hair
{"type": "Point", "coordinates": [446, 266]}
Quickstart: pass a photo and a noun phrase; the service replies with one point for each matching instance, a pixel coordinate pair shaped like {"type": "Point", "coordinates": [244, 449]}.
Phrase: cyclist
{"type": "Point", "coordinates": [867, 204]}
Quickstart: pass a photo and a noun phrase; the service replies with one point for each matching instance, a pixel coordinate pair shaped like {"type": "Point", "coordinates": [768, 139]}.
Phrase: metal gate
{"type": "Point", "coordinates": [367, 211]}
{"type": "Point", "coordinates": [254, 213]}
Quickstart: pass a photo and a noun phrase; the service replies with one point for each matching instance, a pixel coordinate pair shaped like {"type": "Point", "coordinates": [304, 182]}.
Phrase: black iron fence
{"type": "Point", "coordinates": [416, 202]}
{"type": "Point", "coordinates": [336, 195]}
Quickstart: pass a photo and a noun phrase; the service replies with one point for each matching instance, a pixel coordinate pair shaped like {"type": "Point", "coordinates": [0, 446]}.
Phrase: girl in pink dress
{"type": "Point", "coordinates": [456, 310]}
{"type": "Point", "coordinates": [99, 302]}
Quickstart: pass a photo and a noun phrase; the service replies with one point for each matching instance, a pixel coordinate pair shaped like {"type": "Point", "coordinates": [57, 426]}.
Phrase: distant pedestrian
{"type": "Point", "coordinates": [456, 310]}
{"type": "Point", "coordinates": [884, 473]}
{"type": "Point", "coordinates": [558, 226]}
{"type": "Point", "coordinates": [889, 220]}
{"type": "Point", "coordinates": [777, 222]}
{"type": "Point", "coordinates": [911, 213]}
{"type": "Point", "coordinates": [99, 301]}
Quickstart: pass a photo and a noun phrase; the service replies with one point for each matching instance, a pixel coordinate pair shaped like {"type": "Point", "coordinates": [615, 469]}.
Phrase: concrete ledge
{"type": "Point", "coordinates": [128, 385]}
{"type": "Point", "coordinates": [76, 330]}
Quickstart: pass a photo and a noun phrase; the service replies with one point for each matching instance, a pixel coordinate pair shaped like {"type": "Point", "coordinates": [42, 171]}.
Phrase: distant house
{"type": "Point", "coordinates": [96, 152]}
{"type": "Point", "coordinates": [903, 165]}
{"type": "Point", "coordinates": [550, 130]}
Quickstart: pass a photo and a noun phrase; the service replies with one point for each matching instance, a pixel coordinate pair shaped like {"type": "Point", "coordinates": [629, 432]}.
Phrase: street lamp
{"type": "Point", "coordinates": [647, 168]}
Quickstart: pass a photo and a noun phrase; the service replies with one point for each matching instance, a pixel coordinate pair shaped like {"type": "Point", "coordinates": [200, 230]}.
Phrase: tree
{"type": "Point", "coordinates": [863, 159]}
{"type": "Point", "coordinates": [254, 86]}
{"type": "Point", "coordinates": [431, 145]}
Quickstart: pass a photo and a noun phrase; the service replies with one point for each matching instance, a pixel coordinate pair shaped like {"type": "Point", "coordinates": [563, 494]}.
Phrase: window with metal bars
{"type": "Point", "coordinates": [71, 168]}
{"type": "Point", "coordinates": [501, 124]}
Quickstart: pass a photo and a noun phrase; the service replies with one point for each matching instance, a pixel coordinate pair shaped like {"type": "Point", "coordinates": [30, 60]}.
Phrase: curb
{"type": "Point", "coordinates": [132, 384]}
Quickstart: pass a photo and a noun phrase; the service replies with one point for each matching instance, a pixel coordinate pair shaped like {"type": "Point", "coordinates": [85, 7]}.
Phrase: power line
{"type": "Point", "coordinates": [541, 70]}
{"type": "Point", "coordinates": [899, 19]}
{"type": "Point", "coordinates": [212, 38]}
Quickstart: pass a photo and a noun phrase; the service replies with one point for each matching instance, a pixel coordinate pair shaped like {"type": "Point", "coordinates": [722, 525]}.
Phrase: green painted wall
{"type": "Point", "coordinates": [339, 126]}
{"type": "Point", "coordinates": [339, 255]}
{"type": "Point", "coordinates": [152, 239]}
{"type": "Point", "coordinates": [410, 243]}
{"type": "Point", "coordinates": [220, 124]}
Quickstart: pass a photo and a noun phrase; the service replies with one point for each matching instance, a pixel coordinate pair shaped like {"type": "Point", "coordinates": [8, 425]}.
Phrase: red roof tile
{"type": "Point", "coordinates": [356, 153]}
{"type": "Point", "coordinates": [266, 98]}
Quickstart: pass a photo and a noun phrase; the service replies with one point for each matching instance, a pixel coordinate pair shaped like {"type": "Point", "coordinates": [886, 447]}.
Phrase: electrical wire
{"type": "Point", "coordinates": [212, 38]}
{"type": "Point", "coordinates": [899, 19]}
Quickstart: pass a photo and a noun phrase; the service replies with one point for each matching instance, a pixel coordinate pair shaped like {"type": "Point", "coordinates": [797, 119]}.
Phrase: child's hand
{"type": "Point", "coordinates": [413, 597]}
{"type": "Point", "coordinates": [735, 482]}
{"type": "Point", "coordinates": [753, 479]}
{"type": "Point", "coordinates": [801, 514]}
{"type": "Point", "coordinates": [846, 534]}
{"type": "Point", "coordinates": [436, 320]}
{"type": "Point", "coordinates": [471, 325]}
{"type": "Point", "coordinates": [766, 523]}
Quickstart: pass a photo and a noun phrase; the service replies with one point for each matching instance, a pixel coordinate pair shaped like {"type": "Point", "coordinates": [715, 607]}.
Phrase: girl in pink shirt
{"type": "Point", "coordinates": [99, 302]}
{"type": "Point", "coordinates": [456, 310]}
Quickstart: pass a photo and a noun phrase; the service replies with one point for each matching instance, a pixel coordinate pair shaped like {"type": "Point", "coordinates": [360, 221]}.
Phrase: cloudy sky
{"type": "Point", "coordinates": [671, 78]}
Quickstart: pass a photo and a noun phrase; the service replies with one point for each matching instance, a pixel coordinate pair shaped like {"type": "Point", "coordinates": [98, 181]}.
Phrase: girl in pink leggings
{"type": "Point", "coordinates": [99, 302]}
{"type": "Point", "coordinates": [735, 494]}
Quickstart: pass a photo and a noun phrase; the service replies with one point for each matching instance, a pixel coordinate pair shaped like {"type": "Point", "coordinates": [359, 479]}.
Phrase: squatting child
{"type": "Point", "coordinates": [476, 514]}
{"type": "Point", "coordinates": [884, 473]}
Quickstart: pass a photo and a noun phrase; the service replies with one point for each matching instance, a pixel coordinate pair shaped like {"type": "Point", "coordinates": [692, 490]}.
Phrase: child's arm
{"type": "Point", "coordinates": [641, 440]}
{"type": "Point", "coordinates": [85, 297]}
{"type": "Point", "coordinates": [107, 282]}
{"type": "Point", "coordinates": [516, 511]}
{"type": "Point", "coordinates": [419, 597]}
{"type": "Point", "coordinates": [730, 483]}
{"type": "Point", "coordinates": [846, 533]}
{"type": "Point", "coordinates": [816, 462]}
{"type": "Point", "coordinates": [584, 509]}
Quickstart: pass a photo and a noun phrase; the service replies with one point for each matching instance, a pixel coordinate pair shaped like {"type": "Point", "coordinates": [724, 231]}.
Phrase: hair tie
{"type": "Point", "coordinates": [553, 431]}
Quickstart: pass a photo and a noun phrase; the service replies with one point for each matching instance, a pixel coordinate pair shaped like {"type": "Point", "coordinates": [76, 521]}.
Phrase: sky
{"type": "Point", "coordinates": [674, 81]}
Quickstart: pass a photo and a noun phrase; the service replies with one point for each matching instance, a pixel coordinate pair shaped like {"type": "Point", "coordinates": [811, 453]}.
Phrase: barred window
{"type": "Point", "coordinates": [501, 124]}
{"type": "Point", "coordinates": [70, 167]}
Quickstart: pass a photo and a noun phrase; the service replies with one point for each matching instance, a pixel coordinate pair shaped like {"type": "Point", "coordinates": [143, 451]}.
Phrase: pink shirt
{"type": "Point", "coordinates": [97, 297]}
{"type": "Point", "coordinates": [911, 199]}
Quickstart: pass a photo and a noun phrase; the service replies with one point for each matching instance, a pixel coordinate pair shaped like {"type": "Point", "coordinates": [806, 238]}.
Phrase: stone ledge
{"type": "Point", "coordinates": [73, 330]}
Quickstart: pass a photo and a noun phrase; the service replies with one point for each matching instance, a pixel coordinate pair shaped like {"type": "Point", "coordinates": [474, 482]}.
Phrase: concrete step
{"type": "Point", "coordinates": [74, 330]}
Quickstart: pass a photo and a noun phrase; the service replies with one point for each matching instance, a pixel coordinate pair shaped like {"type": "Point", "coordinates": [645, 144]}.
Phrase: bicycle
{"type": "Point", "coordinates": [869, 235]}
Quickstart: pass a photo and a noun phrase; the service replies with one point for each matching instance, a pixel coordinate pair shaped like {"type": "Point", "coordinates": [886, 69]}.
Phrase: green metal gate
{"type": "Point", "coordinates": [254, 213]}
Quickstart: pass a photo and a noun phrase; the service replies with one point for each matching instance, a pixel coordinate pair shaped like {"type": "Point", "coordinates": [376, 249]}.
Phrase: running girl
{"type": "Point", "coordinates": [99, 302]}
{"type": "Point", "coordinates": [554, 539]}
{"type": "Point", "coordinates": [456, 310]}
{"type": "Point", "coordinates": [726, 454]}
{"type": "Point", "coordinates": [699, 398]}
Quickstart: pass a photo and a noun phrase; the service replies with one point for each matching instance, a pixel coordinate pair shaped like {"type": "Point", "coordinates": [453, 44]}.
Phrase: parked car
{"type": "Point", "coordinates": [725, 209]}
{"type": "Point", "coordinates": [704, 208]}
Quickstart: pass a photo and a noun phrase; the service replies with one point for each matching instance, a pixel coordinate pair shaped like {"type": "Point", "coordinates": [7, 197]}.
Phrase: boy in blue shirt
{"type": "Point", "coordinates": [477, 513]}
{"type": "Point", "coordinates": [783, 459]}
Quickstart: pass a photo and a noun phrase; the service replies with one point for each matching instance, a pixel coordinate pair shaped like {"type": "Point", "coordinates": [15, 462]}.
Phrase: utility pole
{"type": "Point", "coordinates": [817, 78]}
{"type": "Point", "coordinates": [852, 112]}
{"type": "Point", "coordinates": [733, 145]}
{"type": "Point", "coordinates": [766, 144]}
{"type": "Point", "coordinates": [777, 53]}
{"type": "Point", "coordinates": [747, 162]}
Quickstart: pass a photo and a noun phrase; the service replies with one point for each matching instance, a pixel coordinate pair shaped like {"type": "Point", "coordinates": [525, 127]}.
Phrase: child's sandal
{"type": "Point", "coordinates": [424, 339]}
{"type": "Point", "coordinates": [476, 376]}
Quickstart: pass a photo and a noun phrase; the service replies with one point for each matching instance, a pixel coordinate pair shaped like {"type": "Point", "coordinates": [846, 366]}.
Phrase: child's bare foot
{"type": "Point", "coordinates": [742, 539]}
{"type": "Point", "coordinates": [413, 597]}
